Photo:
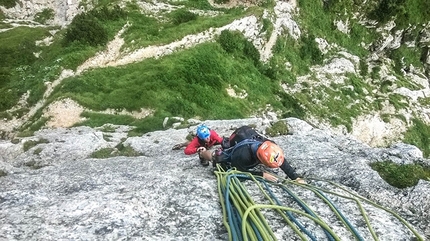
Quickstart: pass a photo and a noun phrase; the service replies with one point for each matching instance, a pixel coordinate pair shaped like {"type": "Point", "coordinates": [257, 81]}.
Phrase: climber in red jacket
{"type": "Point", "coordinates": [204, 140]}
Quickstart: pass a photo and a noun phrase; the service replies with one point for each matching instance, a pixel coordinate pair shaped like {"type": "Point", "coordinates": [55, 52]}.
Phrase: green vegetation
{"type": "Point", "coordinates": [45, 15]}
{"type": "Point", "coordinates": [398, 101]}
{"type": "Point", "coordinates": [182, 16]}
{"type": "Point", "coordinates": [97, 119]}
{"type": "Point", "coordinates": [34, 165]}
{"type": "Point", "coordinates": [37, 151]}
{"type": "Point", "coordinates": [16, 50]}
{"type": "Point", "coordinates": [8, 3]}
{"type": "Point", "coordinates": [186, 84]}
{"type": "Point", "coordinates": [192, 83]}
{"type": "Point", "coordinates": [190, 136]}
{"type": "Point", "coordinates": [404, 12]}
{"type": "Point", "coordinates": [267, 27]}
{"type": "Point", "coordinates": [404, 57]}
{"type": "Point", "coordinates": [277, 129]}
{"type": "Point", "coordinates": [29, 144]}
{"type": "Point", "coordinates": [418, 135]}
{"type": "Point", "coordinates": [87, 28]}
{"type": "Point", "coordinates": [318, 18]}
{"type": "Point", "coordinates": [103, 153]}
{"type": "Point", "coordinates": [108, 128]}
{"type": "Point", "coordinates": [119, 150]}
{"type": "Point", "coordinates": [424, 101]}
{"type": "Point", "coordinates": [401, 176]}
{"type": "Point", "coordinates": [287, 49]}
{"type": "Point", "coordinates": [146, 30]}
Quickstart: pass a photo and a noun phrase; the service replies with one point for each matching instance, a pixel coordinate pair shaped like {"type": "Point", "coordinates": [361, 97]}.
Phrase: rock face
{"type": "Point", "coordinates": [64, 11]}
{"type": "Point", "coordinates": [54, 191]}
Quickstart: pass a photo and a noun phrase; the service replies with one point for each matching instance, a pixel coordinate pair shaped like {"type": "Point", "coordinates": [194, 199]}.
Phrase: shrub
{"type": "Point", "coordinates": [119, 150]}
{"type": "Point", "coordinates": [292, 106]}
{"type": "Point", "coordinates": [86, 29]}
{"type": "Point", "coordinates": [363, 68]}
{"type": "Point", "coordinates": [231, 41]}
{"type": "Point", "coordinates": [278, 128]}
{"type": "Point", "coordinates": [5, 115]}
{"type": "Point", "coordinates": [37, 151]}
{"type": "Point", "coordinates": [20, 53]}
{"type": "Point", "coordinates": [98, 119]}
{"type": "Point", "coordinates": [107, 14]}
{"type": "Point", "coordinates": [418, 135]}
{"type": "Point", "coordinates": [182, 16]}
{"type": "Point", "coordinates": [8, 99]}
{"type": "Point", "coordinates": [126, 150]}
{"type": "Point", "coordinates": [310, 51]}
{"type": "Point", "coordinates": [8, 3]}
{"type": "Point", "coordinates": [385, 10]}
{"type": "Point", "coordinates": [29, 144]}
{"type": "Point", "coordinates": [148, 124]}
{"type": "Point", "coordinates": [405, 12]}
{"type": "Point", "coordinates": [103, 153]}
{"type": "Point", "coordinates": [234, 42]}
{"type": "Point", "coordinates": [251, 52]}
{"type": "Point", "coordinates": [44, 16]}
{"type": "Point", "coordinates": [401, 176]}
{"type": "Point", "coordinates": [37, 125]}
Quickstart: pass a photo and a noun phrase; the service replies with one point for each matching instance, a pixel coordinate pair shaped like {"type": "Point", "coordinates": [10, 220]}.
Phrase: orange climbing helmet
{"type": "Point", "coordinates": [270, 154]}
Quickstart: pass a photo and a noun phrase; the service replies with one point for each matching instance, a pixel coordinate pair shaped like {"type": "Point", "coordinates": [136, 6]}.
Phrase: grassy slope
{"type": "Point", "coordinates": [192, 83]}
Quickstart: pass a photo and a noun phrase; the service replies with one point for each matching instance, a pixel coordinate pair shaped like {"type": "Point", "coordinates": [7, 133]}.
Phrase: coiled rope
{"type": "Point", "coordinates": [244, 219]}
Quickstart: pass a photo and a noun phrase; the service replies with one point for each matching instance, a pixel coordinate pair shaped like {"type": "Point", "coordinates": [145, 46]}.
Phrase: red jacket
{"type": "Point", "coordinates": [214, 139]}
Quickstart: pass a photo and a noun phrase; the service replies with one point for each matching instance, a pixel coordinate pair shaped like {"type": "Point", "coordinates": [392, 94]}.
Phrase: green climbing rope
{"type": "Point", "coordinates": [244, 219]}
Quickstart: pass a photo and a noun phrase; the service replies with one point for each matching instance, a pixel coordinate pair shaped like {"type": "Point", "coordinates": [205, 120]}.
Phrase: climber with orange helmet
{"type": "Point", "coordinates": [205, 138]}
{"type": "Point", "coordinates": [246, 154]}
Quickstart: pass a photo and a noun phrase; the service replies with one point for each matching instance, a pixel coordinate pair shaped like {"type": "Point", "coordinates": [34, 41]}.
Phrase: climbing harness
{"type": "Point", "coordinates": [250, 204]}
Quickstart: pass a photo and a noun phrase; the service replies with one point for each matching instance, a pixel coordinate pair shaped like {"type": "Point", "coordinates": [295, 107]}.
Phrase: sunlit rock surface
{"type": "Point", "coordinates": [54, 191]}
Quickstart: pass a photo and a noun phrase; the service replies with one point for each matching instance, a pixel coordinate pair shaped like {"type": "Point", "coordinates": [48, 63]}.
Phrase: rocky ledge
{"type": "Point", "coordinates": [54, 191]}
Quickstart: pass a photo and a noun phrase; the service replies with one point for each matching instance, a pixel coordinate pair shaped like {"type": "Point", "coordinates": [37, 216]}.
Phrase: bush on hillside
{"type": "Point", "coordinates": [387, 9]}
{"type": "Point", "coordinates": [8, 99]}
{"type": "Point", "coordinates": [45, 15]}
{"type": "Point", "coordinates": [109, 14]}
{"type": "Point", "coordinates": [8, 3]}
{"type": "Point", "coordinates": [5, 75]}
{"type": "Point", "coordinates": [182, 16]}
{"type": "Point", "coordinates": [418, 135]}
{"type": "Point", "coordinates": [230, 41]}
{"type": "Point", "coordinates": [250, 51]}
{"type": "Point", "coordinates": [235, 43]}
{"type": "Point", "coordinates": [22, 54]}
{"type": "Point", "coordinates": [86, 29]}
{"type": "Point", "coordinates": [292, 106]}
{"type": "Point", "coordinates": [310, 51]}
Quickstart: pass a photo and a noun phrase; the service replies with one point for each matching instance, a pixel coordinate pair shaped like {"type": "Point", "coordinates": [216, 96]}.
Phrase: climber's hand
{"type": "Point", "coordinates": [269, 177]}
{"type": "Point", "coordinates": [299, 180]}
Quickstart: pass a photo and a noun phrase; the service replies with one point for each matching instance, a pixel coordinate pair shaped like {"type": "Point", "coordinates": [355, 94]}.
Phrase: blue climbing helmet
{"type": "Point", "coordinates": [203, 132]}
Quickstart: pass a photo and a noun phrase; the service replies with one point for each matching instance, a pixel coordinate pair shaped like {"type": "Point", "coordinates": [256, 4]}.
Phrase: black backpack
{"type": "Point", "coordinates": [240, 134]}
{"type": "Point", "coordinates": [223, 156]}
